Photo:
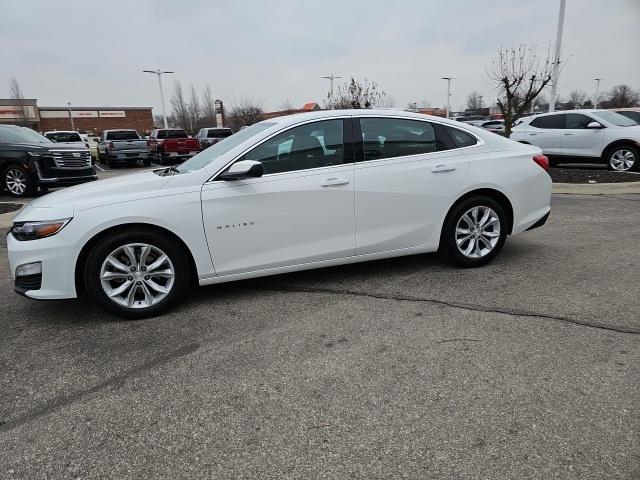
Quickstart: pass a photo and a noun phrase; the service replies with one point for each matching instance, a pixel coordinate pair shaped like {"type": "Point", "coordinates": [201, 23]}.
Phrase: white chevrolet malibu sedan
{"type": "Point", "coordinates": [293, 193]}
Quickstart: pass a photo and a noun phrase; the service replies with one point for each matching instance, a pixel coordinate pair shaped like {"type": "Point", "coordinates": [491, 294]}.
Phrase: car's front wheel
{"type": "Point", "coordinates": [137, 274]}
{"type": "Point", "coordinates": [474, 232]}
{"type": "Point", "coordinates": [18, 181]}
{"type": "Point", "coordinates": [623, 158]}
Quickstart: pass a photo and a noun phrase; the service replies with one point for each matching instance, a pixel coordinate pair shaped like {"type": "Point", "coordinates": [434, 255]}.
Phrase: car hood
{"type": "Point", "coordinates": [123, 188]}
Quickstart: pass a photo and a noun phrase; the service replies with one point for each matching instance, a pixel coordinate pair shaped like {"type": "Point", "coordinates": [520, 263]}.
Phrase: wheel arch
{"type": "Point", "coordinates": [89, 244]}
{"type": "Point", "coordinates": [619, 143]}
{"type": "Point", "coordinates": [492, 193]}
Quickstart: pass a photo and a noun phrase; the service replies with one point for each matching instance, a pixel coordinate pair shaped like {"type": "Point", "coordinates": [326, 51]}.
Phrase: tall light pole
{"type": "Point", "coordinates": [159, 73]}
{"type": "Point", "coordinates": [448, 79]}
{"type": "Point", "coordinates": [331, 78]}
{"type": "Point", "coordinates": [556, 57]}
{"type": "Point", "coordinates": [70, 116]}
{"type": "Point", "coordinates": [595, 99]}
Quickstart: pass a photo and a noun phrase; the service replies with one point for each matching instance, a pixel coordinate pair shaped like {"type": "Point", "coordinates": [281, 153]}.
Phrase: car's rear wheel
{"type": "Point", "coordinates": [18, 181]}
{"type": "Point", "coordinates": [623, 158]}
{"type": "Point", "coordinates": [474, 232]}
{"type": "Point", "coordinates": [137, 274]}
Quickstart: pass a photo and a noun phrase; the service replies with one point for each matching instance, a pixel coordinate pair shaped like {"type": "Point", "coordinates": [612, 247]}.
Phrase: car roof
{"type": "Point", "coordinates": [62, 131]}
{"type": "Point", "coordinates": [364, 112]}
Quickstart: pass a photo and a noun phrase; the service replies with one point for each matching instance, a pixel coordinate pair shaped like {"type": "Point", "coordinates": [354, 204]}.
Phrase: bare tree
{"type": "Point", "coordinates": [621, 96]}
{"type": "Point", "coordinates": [179, 104]}
{"type": "Point", "coordinates": [519, 76]}
{"type": "Point", "coordinates": [208, 108]}
{"type": "Point", "coordinates": [15, 93]}
{"type": "Point", "coordinates": [244, 113]}
{"type": "Point", "coordinates": [195, 112]}
{"type": "Point", "coordinates": [354, 94]}
{"type": "Point", "coordinates": [474, 101]}
{"type": "Point", "coordinates": [286, 106]}
{"type": "Point", "coordinates": [577, 99]}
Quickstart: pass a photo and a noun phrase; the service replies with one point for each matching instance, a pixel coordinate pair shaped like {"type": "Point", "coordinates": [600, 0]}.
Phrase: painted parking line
{"type": "Point", "coordinates": [99, 168]}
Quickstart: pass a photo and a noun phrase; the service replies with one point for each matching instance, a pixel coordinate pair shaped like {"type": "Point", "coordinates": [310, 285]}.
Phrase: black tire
{"type": "Point", "coordinates": [146, 162]}
{"type": "Point", "coordinates": [18, 181]}
{"type": "Point", "coordinates": [104, 248]}
{"type": "Point", "coordinates": [110, 162]}
{"type": "Point", "coordinates": [612, 152]}
{"type": "Point", "coordinates": [448, 245]}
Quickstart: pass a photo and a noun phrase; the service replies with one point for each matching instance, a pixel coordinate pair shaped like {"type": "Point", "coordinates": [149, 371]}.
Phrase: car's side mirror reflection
{"type": "Point", "coordinates": [243, 169]}
{"type": "Point", "coordinates": [594, 125]}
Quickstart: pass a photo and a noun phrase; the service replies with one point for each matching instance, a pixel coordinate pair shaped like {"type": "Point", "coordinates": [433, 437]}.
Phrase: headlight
{"type": "Point", "coordinates": [35, 230]}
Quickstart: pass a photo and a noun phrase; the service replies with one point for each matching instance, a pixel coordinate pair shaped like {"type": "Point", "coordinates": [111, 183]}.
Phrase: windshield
{"type": "Point", "coordinates": [207, 156]}
{"type": "Point", "coordinates": [21, 135]}
{"type": "Point", "coordinates": [615, 118]}
{"type": "Point", "coordinates": [123, 135]}
{"type": "Point", "coordinates": [63, 136]}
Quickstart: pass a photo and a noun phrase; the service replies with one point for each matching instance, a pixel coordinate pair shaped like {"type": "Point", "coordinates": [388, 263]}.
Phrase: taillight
{"type": "Point", "coordinates": [542, 160]}
{"type": "Point", "coordinates": [110, 145]}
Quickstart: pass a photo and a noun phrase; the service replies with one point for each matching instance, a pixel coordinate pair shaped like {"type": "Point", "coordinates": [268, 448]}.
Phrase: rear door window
{"type": "Point", "coordinates": [548, 121]}
{"type": "Point", "coordinates": [395, 137]}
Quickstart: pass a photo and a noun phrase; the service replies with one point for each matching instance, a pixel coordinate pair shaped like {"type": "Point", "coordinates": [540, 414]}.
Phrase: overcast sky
{"type": "Point", "coordinates": [92, 53]}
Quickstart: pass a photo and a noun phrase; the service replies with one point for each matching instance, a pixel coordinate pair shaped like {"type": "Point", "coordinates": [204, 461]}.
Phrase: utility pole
{"type": "Point", "coordinates": [448, 79]}
{"type": "Point", "coordinates": [159, 73]}
{"type": "Point", "coordinates": [595, 99]}
{"type": "Point", "coordinates": [70, 116]}
{"type": "Point", "coordinates": [331, 78]}
{"type": "Point", "coordinates": [556, 58]}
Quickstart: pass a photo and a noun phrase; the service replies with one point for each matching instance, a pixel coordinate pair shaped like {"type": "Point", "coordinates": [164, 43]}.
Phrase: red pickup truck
{"type": "Point", "coordinates": [171, 144]}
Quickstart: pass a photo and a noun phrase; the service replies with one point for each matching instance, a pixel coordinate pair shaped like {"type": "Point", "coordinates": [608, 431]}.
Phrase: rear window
{"type": "Point", "coordinates": [219, 133]}
{"type": "Point", "coordinates": [173, 134]}
{"type": "Point", "coordinates": [548, 121]}
{"type": "Point", "coordinates": [64, 136]}
{"type": "Point", "coordinates": [122, 135]}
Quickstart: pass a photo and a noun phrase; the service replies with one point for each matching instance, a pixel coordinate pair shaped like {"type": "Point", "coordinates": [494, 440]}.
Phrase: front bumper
{"type": "Point", "coordinates": [63, 177]}
{"type": "Point", "coordinates": [57, 279]}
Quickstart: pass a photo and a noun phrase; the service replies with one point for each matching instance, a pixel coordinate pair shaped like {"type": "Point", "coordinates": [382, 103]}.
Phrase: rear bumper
{"type": "Point", "coordinates": [540, 222]}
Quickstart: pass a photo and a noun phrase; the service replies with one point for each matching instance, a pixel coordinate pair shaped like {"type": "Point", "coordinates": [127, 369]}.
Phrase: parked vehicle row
{"type": "Point", "coordinates": [583, 135]}
{"type": "Point", "coordinates": [291, 193]}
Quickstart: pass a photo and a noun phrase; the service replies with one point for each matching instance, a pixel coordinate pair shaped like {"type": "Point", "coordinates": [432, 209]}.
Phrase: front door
{"type": "Point", "coordinates": [404, 182]}
{"type": "Point", "coordinates": [578, 140]}
{"type": "Point", "coordinates": [300, 211]}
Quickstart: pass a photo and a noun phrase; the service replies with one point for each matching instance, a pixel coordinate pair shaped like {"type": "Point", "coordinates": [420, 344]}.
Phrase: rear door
{"type": "Point", "coordinates": [546, 132]}
{"type": "Point", "coordinates": [300, 211]}
{"type": "Point", "coordinates": [578, 140]}
{"type": "Point", "coordinates": [406, 172]}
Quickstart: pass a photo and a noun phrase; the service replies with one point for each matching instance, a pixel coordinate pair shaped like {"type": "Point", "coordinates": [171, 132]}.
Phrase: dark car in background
{"type": "Point", "coordinates": [212, 135]}
{"type": "Point", "coordinates": [29, 160]}
{"type": "Point", "coordinates": [171, 144]}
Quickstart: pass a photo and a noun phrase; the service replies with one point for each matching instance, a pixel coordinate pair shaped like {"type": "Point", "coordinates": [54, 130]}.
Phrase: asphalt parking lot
{"type": "Point", "coordinates": [527, 368]}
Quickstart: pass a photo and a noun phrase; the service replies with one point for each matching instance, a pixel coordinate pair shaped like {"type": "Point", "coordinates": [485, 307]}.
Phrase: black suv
{"type": "Point", "coordinates": [209, 136]}
{"type": "Point", "coordinates": [29, 160]}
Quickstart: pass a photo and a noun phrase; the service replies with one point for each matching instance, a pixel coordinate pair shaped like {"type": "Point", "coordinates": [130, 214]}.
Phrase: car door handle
{"type": "Point", "coordinates": [533, 134]}
{"type": "Point", "coordinates": [335, 182]}
{"type": "Point", "coordinates": [443, 169]}
{"type": "Point", "coordinates": [567, 134]}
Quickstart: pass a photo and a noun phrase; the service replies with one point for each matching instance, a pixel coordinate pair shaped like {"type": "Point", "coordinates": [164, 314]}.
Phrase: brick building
{"type": "Point", "coordinates": [85, 119]}
{"type": "Point", "coordinates": [96, 119]}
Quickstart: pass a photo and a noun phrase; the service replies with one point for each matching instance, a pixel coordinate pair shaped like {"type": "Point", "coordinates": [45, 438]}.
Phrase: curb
{"type": "Point", "coordinates": [597, 188]}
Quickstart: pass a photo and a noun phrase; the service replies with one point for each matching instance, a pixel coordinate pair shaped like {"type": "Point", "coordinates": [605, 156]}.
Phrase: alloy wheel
{"type": "Point", "coordinates": [137, 275]}
{"type": "Point", "coordinates": [478, 232]}
{"type": "Point", "coordinates": [16, 181]}
{"type": "Point", "coordinates": [622, 160]}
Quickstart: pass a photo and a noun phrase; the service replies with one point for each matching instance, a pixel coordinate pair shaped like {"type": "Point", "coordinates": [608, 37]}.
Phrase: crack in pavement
{"type": "Point", "coordinates": [60, 402]}
{"type": "Point", "coordinates": [475, 308]}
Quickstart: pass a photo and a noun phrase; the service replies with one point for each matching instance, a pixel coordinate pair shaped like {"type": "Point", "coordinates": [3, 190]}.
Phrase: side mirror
{"type": "Point", "coordinates": [594, 125]}
{"type": "Point", "coordinates": [243, 169]}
